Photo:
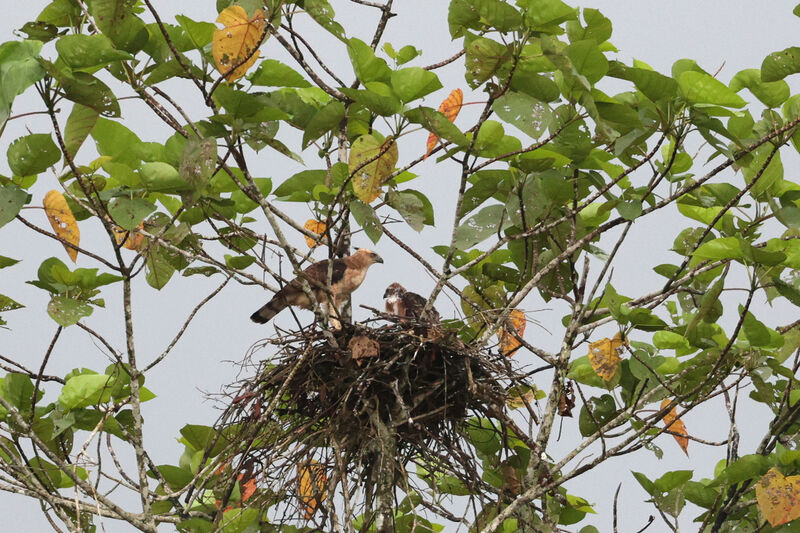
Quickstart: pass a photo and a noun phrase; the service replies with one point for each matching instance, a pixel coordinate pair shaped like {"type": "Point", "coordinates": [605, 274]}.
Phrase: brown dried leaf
{"type": "Point", "coordinates": [312, 482]}
{"type": "Point", "coordinates": [676, 426]}
{"type": "Point", "coordinates": [314, 226]}
{"type": "Point", "coordinates": [63, 221]}
{"type": "Point", "coordinates": [566, 402]}
{"type": "Point", "coordinates": [363, 347]}
{"type": "Point", "coordinates": [450, 108]}
{"type": "Point", "coordinates": [778, 497]}
{"type": "Point", "coordinates": [604, 356]}
{"type": "Point", "coordinates": [509, 343]}
{"type": "Point", "coordinates": [237, 40]}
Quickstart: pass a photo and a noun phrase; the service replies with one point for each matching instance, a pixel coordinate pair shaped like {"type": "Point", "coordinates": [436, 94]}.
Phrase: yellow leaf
{"type": "Point", "coordinates": [509, 343]}
{"type": "Point", "coordinates": [778, 497]}
{"type": "Point", "coordinates": [312, 482]}
{"type": "Point", "coordinates": [128, 239]}
{"type": "Point", "coordinates": [676, 426]}
{"type": "Point", "coordinates": [63, 221]}
{"type": "Point", "coordinates": [235, 44]}
{"type": "Point", "coordinates": [449, 108]}
{"type": "Point", "coordinates": [314, 226]}
{"type": "Point", "coordinates": [604, 356]}
{"type": "Point", "coordinates": [372, 161]}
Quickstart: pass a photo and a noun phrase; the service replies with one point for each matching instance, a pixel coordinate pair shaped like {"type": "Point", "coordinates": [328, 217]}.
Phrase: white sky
{"type": "Point", "coordinates": [733, 35]}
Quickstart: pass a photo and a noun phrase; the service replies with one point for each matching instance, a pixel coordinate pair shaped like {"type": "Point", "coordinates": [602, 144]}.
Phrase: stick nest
{"type": "Point", "coordinates": [413, 384]}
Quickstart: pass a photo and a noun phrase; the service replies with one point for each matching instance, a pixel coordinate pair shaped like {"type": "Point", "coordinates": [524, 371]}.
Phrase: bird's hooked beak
{"type": "Point", "coordinates": [376, 258]}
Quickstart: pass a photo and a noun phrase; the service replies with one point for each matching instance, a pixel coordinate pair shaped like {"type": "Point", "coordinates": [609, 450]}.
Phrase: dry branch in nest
{"type": "Point", "coordinates": [402, 391]}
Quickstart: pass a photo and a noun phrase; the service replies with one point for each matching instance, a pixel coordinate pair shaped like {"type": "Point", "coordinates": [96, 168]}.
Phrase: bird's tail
{"type": "Point", "coordinates": [265, 314]}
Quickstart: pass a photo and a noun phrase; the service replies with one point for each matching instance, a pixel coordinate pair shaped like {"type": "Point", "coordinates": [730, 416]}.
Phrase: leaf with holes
{"type": "Point", "coordinates": [234, 46]}
{"type": "Point", "coordinates": [604, 356]}
{"type": "Point", "coordinates": [63, 221]}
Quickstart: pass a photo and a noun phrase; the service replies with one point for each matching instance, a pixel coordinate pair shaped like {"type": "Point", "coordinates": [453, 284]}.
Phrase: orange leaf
{"type": "Point", "coordinates": [234, 45]}
{"type": "Point", "coordinates": [604, 356]}
{"type": "Point", "coordinates": [778, 497]}
{"type": "Point", "coordinates": [63, 221]}
{"type": "Point", "coordinates": [676, 425]}
{"type": "Point", "coordinates": [450, 108]}
{"type": "Point", "coordinates": [451, 105]}
{"type": "Point", "coordinates": [128, 239]}
{"type": "Point", "coordinates": [314, 226]}
{"type": "Point", "coordinates": [312, 481]}
{"type": "Point", "coordinates": [248, 487]}
{"type": "Point", "coordinates": [509, 344]}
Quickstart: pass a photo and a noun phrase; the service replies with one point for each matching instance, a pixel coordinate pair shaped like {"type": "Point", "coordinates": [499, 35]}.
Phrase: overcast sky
{"type": "Point", "coordinates": [730, 35]}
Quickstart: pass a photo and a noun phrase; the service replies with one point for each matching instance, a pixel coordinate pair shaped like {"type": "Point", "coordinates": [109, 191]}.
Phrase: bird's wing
{"type": "Point", "coordinates": [414, 304]}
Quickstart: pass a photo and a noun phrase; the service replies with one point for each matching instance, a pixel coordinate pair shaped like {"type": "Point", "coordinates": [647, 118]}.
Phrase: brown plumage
{"type": "Point", "coordinates": [347, 274]}
{"type": "Point", "coordinates": [404, 303]}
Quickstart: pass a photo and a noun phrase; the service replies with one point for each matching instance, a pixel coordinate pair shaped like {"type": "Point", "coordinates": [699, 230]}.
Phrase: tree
{"type": "Point", "coordinates": [390, 423]}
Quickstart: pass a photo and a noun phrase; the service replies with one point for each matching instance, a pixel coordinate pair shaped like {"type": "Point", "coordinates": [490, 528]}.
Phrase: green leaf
{"type": "Point", "coordinates": [488, 221]}
{"type": "Point", "coordinates": [79, 124]}
{"type": "Point", "coordinates": [67, 311]}
{"type": "Point", "coordinates": [298, 187]}
{"type": "Point", "coordinates": [366, 218]}
{"type": "Point", "coordinates": [12, 198]}
{"type": "Point", "coordinates": [162, 177]}
{"type": "Point", "coordinates": [273, 73]}
{"type": "Point", "coordinates": [548, 12]}
{"type": "Point", "coordinates": [722, 248]}
{"type": "Point", "coordinates": [526, 113]}
{"type": "Point", "coordinates": [88, 51]}
{"type": "Point", "coordinates": [32, 154]}
{"type": "Point", "coordinates": [771, 94]}
{"type": "Point", "coordinates": [778, 65]}
{"type": "Point", "coordinates": [414, 82]}
{"type": "Point", "coordinates": [630, 210]}
{"type": "Point", "coordinates": [200, 33]}
{"type": "Point", "coordinates": [117, 141]}
{"type": "Point", "coordinates": [667, 340]}
{"type": "Point", "coordinates": [83, 88]}
{"type": "Point", "coordinates": [756, 332]}
{"type": "Point", "coordinates": [198, 162]}
{"type": "Point", "coordinates": [367, 66]}
{"type": "Point", "coordinates": [701, 88]}
{"type": "Point", "coordinates": [437, 123]}
{"type": "Point", "coordinates": [116, 19]}
{"type": "Point", "coordinates": [175, 476]}
{"type": "Point", "coordinates": [19, 69]}
{"type": "Point", "coordinates": [7, 261]}
{"type": "Point", "coordinates": [322, 12]}
{"type": "Point", "coordinates": [240, 520]}
{"type": "Point", "coordinates": [462, 15]}
{"type": "Point", "coordinates": [769, 177]}
{"type": "Point", "coordinates": [57, 278]}
{"type": "Point", "coordinates": [410, 207]}
{"type": "Point", "coordinates": [129, 212]}
{"type": "Point", "coordinates": [326, 119]}
{"type": "Point", "coordinates": [159, 269]}
{"type": "Point", "coordinates": [672, 480]}
{"type": "Point", "coordinates": [745, 468]}
{"type": "Point", "coordinates": [484, 57]}
{"type": "Point", "coordinates": [239, 262]}
{"type": "Point", "coordinates": [85, 390]}
{"type": "Point", "coordinates": [588, 60]}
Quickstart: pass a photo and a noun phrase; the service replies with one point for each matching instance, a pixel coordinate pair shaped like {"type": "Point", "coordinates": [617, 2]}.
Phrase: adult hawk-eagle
{"type": "Point", "coordinates": [348, 273]}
